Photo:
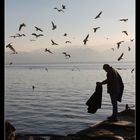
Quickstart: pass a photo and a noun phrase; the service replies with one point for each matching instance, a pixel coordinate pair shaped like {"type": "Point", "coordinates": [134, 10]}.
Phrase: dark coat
{"type": "Point", "coordinates": [95, 101]}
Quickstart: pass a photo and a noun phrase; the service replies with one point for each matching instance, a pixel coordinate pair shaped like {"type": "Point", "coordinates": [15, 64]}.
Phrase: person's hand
{"type": "Point", "coordinates": [99, 83]}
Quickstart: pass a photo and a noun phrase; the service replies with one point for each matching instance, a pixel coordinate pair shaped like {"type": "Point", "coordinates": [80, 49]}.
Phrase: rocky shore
{"type": "Point", "coordinates": [124, 129]}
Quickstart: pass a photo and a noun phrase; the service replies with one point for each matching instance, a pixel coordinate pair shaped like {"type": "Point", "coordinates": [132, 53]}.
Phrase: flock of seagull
{"type": "Point", "coordinates": [54, 27]}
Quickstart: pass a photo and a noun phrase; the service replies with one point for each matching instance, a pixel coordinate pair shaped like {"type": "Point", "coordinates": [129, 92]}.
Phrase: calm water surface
{"type": "Point", "coordinates": [57, 104]}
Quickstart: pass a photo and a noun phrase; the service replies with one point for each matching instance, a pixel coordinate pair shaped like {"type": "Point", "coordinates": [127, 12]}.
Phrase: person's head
{"type": "Point", "coordinates": [106, 67]}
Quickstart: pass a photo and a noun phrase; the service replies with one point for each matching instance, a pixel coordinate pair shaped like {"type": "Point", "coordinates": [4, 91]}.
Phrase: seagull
{"type": "Point", "coordinates": [65, 34]}
{"type": "Point", "coordinates": [38, 29]}
{"type": "Point", "coordinates": [10, 63]}
{"type": "Point", "coordinates": [95, 29]}
{"type": "Point", "coordinates": [120, 57]}
{"type": "Point", "coordinates": [124, 19]}
{"type": "Point", "coordinates": [59, 10]}
{"type": "Point", "coordinates": [67, 41]}
{"type": "Point", "coordinates": [37, 35]}
{"type": "Point", "coordinates": [86, 39]}
{"type": "Point", "coordinates": [53, 43]}
{"type": "Point", "coordinates": [112, 49]}
{"type": "Point", "coordinates": [22, 25]}
{"type": "Point", "coordinates": [132, 70]}
{"type": "Point", "coordinates": [63, 6]}
{"type": "Point", "coordinates": [53, 26]}
{"type": "Point", "coordinates": [20, 35]}
{"type": "Point", "coordinates": [11, 47]}
{"type": "Point", "coordinates": [129, 48]}
{"type": "Point", "coordinates": [46, 50]}
{"type": "Point", "coordinates": [98, 16]}
{"type": "Point", "coordinates": [119, 43]}
{"type": "Point", "coordinates": [66, 54]}
{"type": "Point", "coordinates": [13, 36]}
{"type": "Point", "coordinates": [131, 40]}
{"type": "Point", "coordinates": [33, 87]}
{"type": "Point", "coordinates": [125, 32]}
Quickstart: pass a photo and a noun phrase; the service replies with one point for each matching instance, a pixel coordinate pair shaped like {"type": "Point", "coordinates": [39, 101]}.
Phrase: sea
{"type": "Point", "coordinates": [57, 104]}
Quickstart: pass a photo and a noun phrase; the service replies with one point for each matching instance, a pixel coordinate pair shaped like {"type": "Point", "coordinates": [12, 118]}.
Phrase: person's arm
{"type": "Point", "coordinates": [104, 82]}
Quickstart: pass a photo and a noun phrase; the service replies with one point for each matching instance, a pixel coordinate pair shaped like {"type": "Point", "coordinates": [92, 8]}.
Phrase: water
{"type": "Point", "coordinates": [57, 104]}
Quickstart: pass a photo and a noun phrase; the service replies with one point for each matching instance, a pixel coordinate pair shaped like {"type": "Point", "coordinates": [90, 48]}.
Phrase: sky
{"type": "Point", "coordinates": [77, 21]}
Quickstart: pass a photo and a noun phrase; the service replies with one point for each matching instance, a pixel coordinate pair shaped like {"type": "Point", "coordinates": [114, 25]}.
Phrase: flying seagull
{"type": "Point", "coordinates": [95, 29]}
{"type": "Point", "coordinates": [11, 48]}
{"type": "Point", "coordinates": [67, 41]}
{"type": "Point", "coordinates": [38, 29]}
{"type": "Point", "coordinates": [53, 26]}
{"type": "Point", "coordinates": [46, 50]}
{"type": "Point", "coordinates": [59, 10]}
{"type": "Point", "coordinates": [37, 35]}
{"type": "Point", "coordinates": [53, 43]}
{"type": "Point", "coordinates": [131, 40]}
{"type": "Point", "coordinates": [120, 57]}
{"type": "Point", "coordinates": [98, 16]}
{"type": "Point", "coordinates": [66, 55]}
{"type": "Point", "coordinates": [63, 6]}
{"type": "Point", "coordinates": [132, 70]}
{"type": "Point", "coordinates": [119, 43]}
{"type": "Point", "coordinates": [86, 39]}
{"type": "Point", "coordinates": [125, 32]}
{"type": "Point", "coordinates": [22, 25]}
{"type": "Point", "coordinates": [124, 19]}
{"type": "Point", "coordinates": [129, 48]}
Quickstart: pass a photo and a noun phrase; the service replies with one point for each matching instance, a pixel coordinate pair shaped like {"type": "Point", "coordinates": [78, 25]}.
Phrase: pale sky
{"type": "Point", "coordinates": [77, 21]}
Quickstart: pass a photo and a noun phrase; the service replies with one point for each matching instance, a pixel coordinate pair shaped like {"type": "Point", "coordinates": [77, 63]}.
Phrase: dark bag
{"type": "Point", "coordinates": [95, 101]}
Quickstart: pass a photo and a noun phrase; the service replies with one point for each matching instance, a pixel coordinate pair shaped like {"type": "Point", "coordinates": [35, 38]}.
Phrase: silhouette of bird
{"type": "Point", "coordinates": [20, 35]}
{"type": "Point", "coordinates": [131, 40]}
{"type": "Point", "coordinates": [125, 32]}
{"type": "Point", "coordinates": [37, 35]}
{"type": "Point", "coordinates": [53, 26]}
{"type": "Point", "coordinates": [10, 63]}
{"type": "Point", "coordinates": [63, 6]}
{"type": "Point", "coordinates": [124, 19]}
{"type": "Point", "coordinates": [46, 69]}
{"type": "Point", "coordinates": [67, 41]}
{"type": "Point", "coordinates": [22, 25]}
{"type": "Point", "coordinates": [66, 55]}
{"type": "Point", "coordinates": [95, 29]}
{"type": "Point", "coordinates": [119, 43]}
{"type": "Point", "coordinates": [120, 57]}
{"type": "Point", "coordinates": [46, 50]}
{"type": "Point", "coordinates": [129, 48]}
{"type": "Point", "coordinates": [53, 43]}
{"type": "Point", "coordinates": [11, 48]}
{"type": "Point", "coordinates": [132, 70]}
{"type": "Point", "coordinates": [65, 34]}
{"type": "Point", "coordinates": [86, 39]}
{"type": "Point", "coordinates": [59, 10]}
{"type": "Point", "coordinates": [13, 36]}
{"type": "Point", "coordinates": [112, 49]}
{"type": "Point", "coordinates": [98, 16]}
{"type": "Point", "coordinates": [38, 29]}
{"type": "Point", "coordinates": [33, 87]}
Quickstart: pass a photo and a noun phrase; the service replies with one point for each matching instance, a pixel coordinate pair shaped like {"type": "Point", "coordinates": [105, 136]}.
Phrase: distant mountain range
{"type": "Point", "coordinates": [78, 54]}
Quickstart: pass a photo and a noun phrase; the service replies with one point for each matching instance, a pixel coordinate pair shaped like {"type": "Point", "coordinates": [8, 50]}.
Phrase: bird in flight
{"type": "Point", "coordinates": [95, 29]}
{"type": "Point", "coordinates": [13, 36]}
{"type": "Point", "coordinates": [63, 6]}
{"type": "Point", "coordinates": [131, 40]}
{"type": "Point", "coordinates": [37, 35]}
{"type": "Point", "coordinates": [124, 19]}
{"type": "Point", "coordinates": [120, 57]}
{"type": "Point", "coordinates": [38, 29]}
{"type": "Point", "coordinates": [53, 26]}
{"type": "Point", "coordinates": [125, 32]}
{"type": "Point", "coordinates": [86, 39]}
{"type": "Point", "coordinates": [65, 34]}
{"type": "Point", "coordinates": [20, 35]}
{"type": "Point", "coordinates": [46, 50]}
{"type": "Point", "coordinates": [119, 43]}
{"type": "Point", "coordinates": [98, 16]}
{"type": "Point", "coordinates": [112, 49]}
{"type": "Point", "coordinates": [129, 48]}
{"type": "Point", "coordinates": [22, 25]}
{"type": "Point", "coordinates": [53, 43]}
{"type": "Point", "coordinates": [11, 48]}
{"type": "Point", "coordinates": [132, 70]}
{"type": "Point", "coordinates": [67, 41]}
{"type": "Point", "coordinates": [66, 55]}
{"type": "Point", "coordinates": [59, 10]}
